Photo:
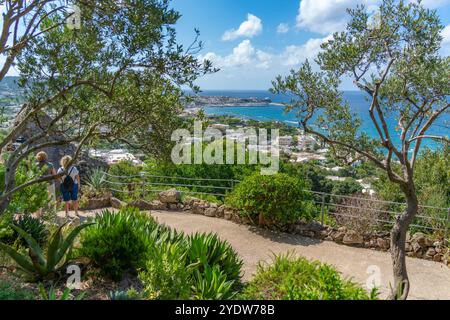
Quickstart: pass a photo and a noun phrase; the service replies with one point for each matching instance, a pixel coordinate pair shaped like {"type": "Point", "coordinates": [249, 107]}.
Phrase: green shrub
{"type": "Point", "coordinates": [280, 199]}
{"type": "Point", "coordinates": [118, 242]}
{"type": "Point", "coordinates": [207, 250]}
{"type": "Point", "coordinates": [10, 292]}
{"type": "Point", "coordinates": [125, 177]}
{"type": "Point", "coordinates": [212, 284]}
{"type": "Point", "coordinates": [52, 295]}
{"type": "Point", "coordinates": [32, 198]}
{"type": "Point", "coordinates": [34, 227]}
{"type": "Point", "coordinates": [166, 276]}
{"type": "Point", "coordinates": [197, 267]}
{"type": "Point", "coordinates": [290, 278]}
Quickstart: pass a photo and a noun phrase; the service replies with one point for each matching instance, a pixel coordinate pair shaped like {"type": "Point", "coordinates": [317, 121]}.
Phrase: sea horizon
{"type": "Point", "coordinates": [357, 100]}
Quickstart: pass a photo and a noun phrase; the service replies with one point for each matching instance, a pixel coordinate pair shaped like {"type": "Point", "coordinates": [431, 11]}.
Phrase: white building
{"type": "Point", "coordinates": [285, 141]}
{"type": "Point", "coordinates": [115, 156]}
{"type": "Point", "coordinates": [307, 143]}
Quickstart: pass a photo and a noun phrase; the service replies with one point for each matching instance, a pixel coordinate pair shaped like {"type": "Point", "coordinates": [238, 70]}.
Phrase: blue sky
{"type": "Point", "coordinates": [252, 41]}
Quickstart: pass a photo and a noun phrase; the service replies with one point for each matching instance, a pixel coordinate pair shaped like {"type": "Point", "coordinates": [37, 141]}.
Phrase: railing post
{"type": "Point", "coordinates": [447, 226]}
{"type": "Point", "coordinates": [143, 185]}
{"type": "Point", "coordinates": [322, 214]}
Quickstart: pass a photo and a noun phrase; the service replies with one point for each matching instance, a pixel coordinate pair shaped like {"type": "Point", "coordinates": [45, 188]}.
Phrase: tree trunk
{"type": "Point", "coordinates": [401, 286]}
{"type": "Point", "coordinates": [3, 205]}
{"type": "Point", "coordinates": [9, 184]}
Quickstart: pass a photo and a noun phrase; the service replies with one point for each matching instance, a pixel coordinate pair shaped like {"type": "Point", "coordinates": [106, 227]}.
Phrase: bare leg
{"type": "Point", "coordinates": [75, 207]}
{"type": "Point", "coordinates": [67, 207]}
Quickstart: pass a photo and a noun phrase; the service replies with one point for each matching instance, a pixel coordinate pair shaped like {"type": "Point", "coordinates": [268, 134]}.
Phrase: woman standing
{"type": "Point", "coordinates": [47, 168]}
{"type": "Point", "coordinates": [70, 184]}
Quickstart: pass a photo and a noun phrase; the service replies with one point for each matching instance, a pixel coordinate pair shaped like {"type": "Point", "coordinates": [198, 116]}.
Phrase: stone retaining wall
{"type": "Point", "coordinates": [418, 245]}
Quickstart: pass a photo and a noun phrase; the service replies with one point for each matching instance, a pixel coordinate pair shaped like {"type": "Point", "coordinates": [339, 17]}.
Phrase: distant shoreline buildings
{"type": "Point", "coordinates": [115, 156]}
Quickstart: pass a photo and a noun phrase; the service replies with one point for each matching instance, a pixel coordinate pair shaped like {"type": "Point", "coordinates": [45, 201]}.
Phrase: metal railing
{"type": "Point", "coordinates": [145, 183]}
{"type": "Point", "coordinates": [339, 207]}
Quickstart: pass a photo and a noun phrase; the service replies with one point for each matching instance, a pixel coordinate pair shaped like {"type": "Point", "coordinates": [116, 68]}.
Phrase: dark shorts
{"type": "Point", "coordinates": [69, 195]}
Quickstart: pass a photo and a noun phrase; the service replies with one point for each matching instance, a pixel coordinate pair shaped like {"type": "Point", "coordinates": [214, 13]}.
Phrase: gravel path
{"type": "Point", "coordinates": [429, 280]}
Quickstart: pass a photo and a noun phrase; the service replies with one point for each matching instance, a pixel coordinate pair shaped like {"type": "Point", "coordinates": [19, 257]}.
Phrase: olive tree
{"type": "Point", "coordinates": [118, 78]}
{"type": "Point", "coordinates": [21, 23]}
{"type": "Point", "coordinates": [394, 60]}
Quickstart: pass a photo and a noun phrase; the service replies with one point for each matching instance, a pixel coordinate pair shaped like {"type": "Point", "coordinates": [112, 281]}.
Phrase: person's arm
{"type": "Point", "coordinates": [53, 172]}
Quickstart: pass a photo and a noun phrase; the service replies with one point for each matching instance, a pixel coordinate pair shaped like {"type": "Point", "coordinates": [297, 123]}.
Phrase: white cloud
{"type": "Point", "coordinates": [446, 35]}
{"type": "Point", "coordinates": [251, 27]}
{"type": "Point", "coordinates": [283, 28]}
{"type": "Point", "coordinates": [295, 55]}
{"type": "Point", "coordinates": [243, 55]}
{"type": "Point", "coordinates": [327, 16]}
{"type": "Point", "coordinates": [264, 58]}
{"type": "Point", "coordinates": [445, 51]}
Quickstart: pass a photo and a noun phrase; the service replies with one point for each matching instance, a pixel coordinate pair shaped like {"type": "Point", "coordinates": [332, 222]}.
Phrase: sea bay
{"type": "Point", "coordinates": [276, 112]}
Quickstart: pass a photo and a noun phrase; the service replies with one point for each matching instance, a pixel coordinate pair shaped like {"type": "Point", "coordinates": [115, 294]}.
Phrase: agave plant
{"type": "Point", "coordinates": [33, 227]}
{"type": "Point", "coordinates": [208, 250]}
{"type": "Point", "coordinates": [38, 264]}
{"type": "Point", "coordinates": [96, 180]}
{"type": "Point", "coordinates": [212, 284]}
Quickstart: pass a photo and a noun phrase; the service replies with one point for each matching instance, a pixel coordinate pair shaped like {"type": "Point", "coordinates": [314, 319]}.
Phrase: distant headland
{"type": "Point", "coordinates": [223, 101]}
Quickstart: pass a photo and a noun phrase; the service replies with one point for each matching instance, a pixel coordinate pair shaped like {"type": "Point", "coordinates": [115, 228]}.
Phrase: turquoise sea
{"type": "Point", "coordinates": [357, 102]}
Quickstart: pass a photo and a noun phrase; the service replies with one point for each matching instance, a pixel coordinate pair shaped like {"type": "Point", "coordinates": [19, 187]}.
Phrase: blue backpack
{"type": "Point", "coordinates": [68, 181]}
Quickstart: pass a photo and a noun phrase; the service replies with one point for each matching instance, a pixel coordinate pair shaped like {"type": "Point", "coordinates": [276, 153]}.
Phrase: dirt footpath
{"type": "Point", "coordinates": [429, 280]}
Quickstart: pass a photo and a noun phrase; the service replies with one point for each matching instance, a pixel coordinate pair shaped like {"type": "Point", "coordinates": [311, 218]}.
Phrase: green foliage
{"type": "Point", "coordinates": [432, 182]}
{"type": "Point", "coordinates": [118, 242]}
{"type": "Point", "coordinates": [40, 264]}
{"type": "Point", "coordinates": [212, 284]}
{"type": "Point", "coordinates": [125, 177]}
{"type": "Point", "coordinates": [347, 187]}
{"type": "Point", "coordinates": [196, 267]}
{"type": "Point", "coordinates": [30, 199]}
{"type": "Point", "coordinates": [123, 295]}
{"type": "Point", "coordinates": [208, 250]}
{"type": "Point", "coordinates": [32, 226]}
{"type": "Point", "coordinates": [199, 171]}
{"type": "Point", "coordinates": [165, 275]}
{"type": "Point", "coordinates": [290, 278]}
{"type": "Point", "coordinates": [431, 177]}
{"type": "Point", "coordinates": [52, 294]}
{"type": "Point", "coordinates": [124, 168]}
{"type": "Point", "coordinates": [10, 292]}
{"type": "Point", "coordinates": [280, 198]}
{"type": "Point", "coordinates": [122, 71]}
{"type": "Point", "coordinates": [96, 182]}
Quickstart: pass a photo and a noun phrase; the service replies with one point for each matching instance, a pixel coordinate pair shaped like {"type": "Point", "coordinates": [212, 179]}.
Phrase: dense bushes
{"type": "Point", "coordinates": [170, 264]}
{"type": "Point", "coordinates": [196, 267]}
{"type": "Point", "coordinates": [279, 199]}
{"type": "Point", "coordinates": [30, 199]}
{"type": "Point", "coordinates": [290, 278]}
{"type": "Point", "coordinates": [118, 242]}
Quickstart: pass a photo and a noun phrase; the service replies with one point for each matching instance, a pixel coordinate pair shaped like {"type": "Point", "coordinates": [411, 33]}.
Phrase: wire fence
{"type": "Point", "coordinates": [358, 212]}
